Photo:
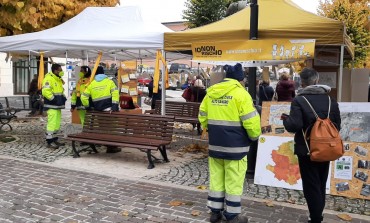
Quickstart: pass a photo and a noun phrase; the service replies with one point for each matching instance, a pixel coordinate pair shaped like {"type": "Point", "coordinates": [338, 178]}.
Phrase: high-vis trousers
{"type": "Point", "coordinates": [226, 178]}
{"type": "Point", "coordinates": [81, 114]}
{"type": "Point", "coordinates": [53, 126]}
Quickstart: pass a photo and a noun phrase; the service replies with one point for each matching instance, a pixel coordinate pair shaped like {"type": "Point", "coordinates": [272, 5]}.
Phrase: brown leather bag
{"type": "Point", "coordinates": [325, 141]}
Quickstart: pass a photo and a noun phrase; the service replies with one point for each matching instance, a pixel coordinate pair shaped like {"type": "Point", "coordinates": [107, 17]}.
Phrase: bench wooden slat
{"type": "Point", "coordinates": [129, 130]}
{"type": "Point", "coordinates": [121, 139]}
{"type": "Point", "coordinates": [185, 112]}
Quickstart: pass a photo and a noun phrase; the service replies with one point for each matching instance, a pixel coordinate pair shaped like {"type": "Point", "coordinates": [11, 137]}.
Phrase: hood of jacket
{"type": "Point", "coordinates": [221, 89]}
{"type": "Point", "coordinates": [315, 89]}
{"type": "Point", "coordinates": [100, 77]}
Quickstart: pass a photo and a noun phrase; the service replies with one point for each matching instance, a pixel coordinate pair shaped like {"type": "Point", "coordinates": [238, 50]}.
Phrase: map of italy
{"type": "Point", "coordinates": [286, 164]}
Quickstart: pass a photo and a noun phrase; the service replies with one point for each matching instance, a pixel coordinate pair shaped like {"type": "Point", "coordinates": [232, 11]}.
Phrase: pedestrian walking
{"type": "Point", "coordinates": [84, 75]}
{"type": "Point", "coordinates": [54, 101]}
{"type": "Point", "coordinates": [227, 111]}
{"type": "Point", "coordinates": [301, 117]}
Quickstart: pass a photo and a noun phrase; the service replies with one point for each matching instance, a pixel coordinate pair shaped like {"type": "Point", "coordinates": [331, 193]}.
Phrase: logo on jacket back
{"type": "Point", "coordinates": [223, 101]}
{"type": "Point", "coordinates": [208, 51]}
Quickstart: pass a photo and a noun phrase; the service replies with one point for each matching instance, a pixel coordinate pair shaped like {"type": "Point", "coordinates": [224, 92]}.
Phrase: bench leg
{"type": "Point", "coordinates": [149, 155]}
{"type": "Point", "coordinates": [164, 153]}
{"type": "Point", "coordinates": [92, 146]}
{"type": "Point", "coordinates": [5, 122]}
{"type": "Point", "coordinates": [75, 152]}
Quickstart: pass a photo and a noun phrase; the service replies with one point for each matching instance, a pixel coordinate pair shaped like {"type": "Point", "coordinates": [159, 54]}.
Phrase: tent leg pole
{"type": "Point", "coordinates": [339, 89]}
{"type": "Point", "coordinates": [163, 95]}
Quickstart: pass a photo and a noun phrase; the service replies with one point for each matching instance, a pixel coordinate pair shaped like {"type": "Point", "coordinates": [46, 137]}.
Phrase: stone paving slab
{"type": "Point", "coordinates": [31, 192]}
{"type": "Point", "coordinates": [186, 170]}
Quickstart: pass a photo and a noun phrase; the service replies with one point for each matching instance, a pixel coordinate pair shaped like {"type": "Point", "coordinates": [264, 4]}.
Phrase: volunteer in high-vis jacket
{"type": "Point", "coordinates": [103, 92]}
{"type": "Point", "coordinates": [84, 75]}
{"type": "Point", "coordinates": [228, 113]}
{"type": "Point", "coordinates": [54, 101]}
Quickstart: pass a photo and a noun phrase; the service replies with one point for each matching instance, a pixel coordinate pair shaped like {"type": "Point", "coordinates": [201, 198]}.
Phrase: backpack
{"type": "Point", "coordinates": [325, 141]}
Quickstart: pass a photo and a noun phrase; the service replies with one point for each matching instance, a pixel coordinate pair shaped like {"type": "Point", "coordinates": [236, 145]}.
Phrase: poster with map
{"type": "Point", "coordinates": [277, 165]}
{"type": "Point", "coordinates": [349, 176]}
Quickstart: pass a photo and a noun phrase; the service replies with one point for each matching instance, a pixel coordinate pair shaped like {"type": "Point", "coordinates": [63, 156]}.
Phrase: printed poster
{"type": "Point", "coordinates": [343, 168]}
{"type": "Point", "coordinates": [277, 166]}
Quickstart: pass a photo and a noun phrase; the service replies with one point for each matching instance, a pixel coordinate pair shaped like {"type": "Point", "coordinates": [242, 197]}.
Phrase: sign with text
{"type": "Point", "coordinates": [271, 49]}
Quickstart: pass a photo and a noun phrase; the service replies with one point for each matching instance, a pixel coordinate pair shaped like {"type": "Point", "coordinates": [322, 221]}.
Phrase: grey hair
{"type": "Point", "coordinates": [309, 76]}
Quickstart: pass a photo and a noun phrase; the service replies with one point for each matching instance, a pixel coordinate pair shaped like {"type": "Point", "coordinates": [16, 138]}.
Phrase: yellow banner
{"type": "Point", "coordinates": [271, 49]}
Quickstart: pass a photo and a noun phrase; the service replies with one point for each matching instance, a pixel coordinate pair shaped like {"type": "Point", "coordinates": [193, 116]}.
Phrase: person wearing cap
{"type": "Point", "coordinates": [54, 101]}
{"type": "Point", "coordinates": [103, 92]}
{"type": "Point", "coordinates": [228, 113]}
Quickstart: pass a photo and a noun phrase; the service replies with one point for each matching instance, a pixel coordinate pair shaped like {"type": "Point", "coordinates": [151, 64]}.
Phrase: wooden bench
{"type": "Point", "coordinates": [143, 132]}
{"type": "Point", "coordinates": [9, 106]}
{"type": "Point", "coordinates": [185, 112]}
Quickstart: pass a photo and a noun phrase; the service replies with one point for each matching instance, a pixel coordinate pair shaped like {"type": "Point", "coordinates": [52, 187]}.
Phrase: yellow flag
{"type": "Point", "coordinates": [156, 73]}
{"type": "Point", "coordinates": [95, 67]}
{"type": "Point", "coordinates": [41, 71]}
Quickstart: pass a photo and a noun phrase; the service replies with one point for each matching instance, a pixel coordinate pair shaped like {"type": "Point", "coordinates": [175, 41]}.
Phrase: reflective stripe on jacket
{"type": "Point", "coordinates": [103, 94]}
{"type": "Point", "coordinates": [75, 99]}
{"type": "Point", "coordinates": [53, 92]}
{"type": "Point", "coordinates": [232, 121]}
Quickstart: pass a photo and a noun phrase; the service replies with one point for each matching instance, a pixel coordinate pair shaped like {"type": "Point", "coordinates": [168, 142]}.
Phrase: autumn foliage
{"type": "Point", "coordinates": [24, 16]}
{"type": "Point", "coordinates": [355, 16]}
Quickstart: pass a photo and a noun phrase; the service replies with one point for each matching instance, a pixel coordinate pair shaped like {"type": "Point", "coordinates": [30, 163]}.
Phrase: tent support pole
{"type": "Point", "coordinates": [340, 85]}
{"type": "Point", "coordinates": [253, 35]}
{"type": "Point", "coordinates": [163, 95]}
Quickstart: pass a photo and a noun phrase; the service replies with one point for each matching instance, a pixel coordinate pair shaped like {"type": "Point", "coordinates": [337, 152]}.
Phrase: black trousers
{"type": "Point", "coordinates": [314, 176]}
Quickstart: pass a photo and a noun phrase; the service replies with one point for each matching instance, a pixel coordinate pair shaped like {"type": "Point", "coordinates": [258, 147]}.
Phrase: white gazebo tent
{"type": "Point", "coordinates": [118, 32]}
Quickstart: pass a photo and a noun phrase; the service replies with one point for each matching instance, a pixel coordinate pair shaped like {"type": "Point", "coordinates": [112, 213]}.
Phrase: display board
{"type": "Point", "coordinates": [128, 83]}
{"type": "Point", "coordinates": [278, 166]}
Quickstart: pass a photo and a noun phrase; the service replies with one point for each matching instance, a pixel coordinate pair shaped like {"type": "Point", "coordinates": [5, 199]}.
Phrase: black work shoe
{"type": "Point", "coordinates": [113, 149]}
{"type": "Point", "coordinates": [52, 145]}
{"type": "Point", "coordinates": [59, 143]}
{"type": "Point", "coordinates": [238, 219]}
{"type": "Point", "coordinates": [215, 217]}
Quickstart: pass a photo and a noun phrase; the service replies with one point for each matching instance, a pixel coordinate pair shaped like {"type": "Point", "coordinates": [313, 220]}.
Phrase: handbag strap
{"type": "Point", "coordinates": [264, 92]}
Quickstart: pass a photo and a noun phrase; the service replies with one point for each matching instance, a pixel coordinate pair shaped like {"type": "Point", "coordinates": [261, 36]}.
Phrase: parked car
{"type": "Point", "coordinates": [178, 67]}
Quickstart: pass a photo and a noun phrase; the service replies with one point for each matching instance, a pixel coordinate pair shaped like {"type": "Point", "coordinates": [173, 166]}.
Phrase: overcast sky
{"type": "Point", "coordinates": [171, 10]}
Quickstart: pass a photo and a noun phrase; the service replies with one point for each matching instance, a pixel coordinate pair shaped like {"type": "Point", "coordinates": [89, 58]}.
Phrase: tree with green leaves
{"type": "Point", "coordinates": [25, 16]}
{"type": "Point", "coordinates": [355, 16]}
{"type": "Point", "coordinates": [203, 12]}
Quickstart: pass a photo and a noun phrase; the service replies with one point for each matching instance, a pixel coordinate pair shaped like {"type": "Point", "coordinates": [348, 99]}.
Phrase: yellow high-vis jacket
{"type": "Point", "coordinates": [103, 92]}
{"type": "Point", "coordinates": [53, 92]}
{"type": "Point", "coordinates": [227, 111]}
{"type": "Point", "coordinates": [76, 96]}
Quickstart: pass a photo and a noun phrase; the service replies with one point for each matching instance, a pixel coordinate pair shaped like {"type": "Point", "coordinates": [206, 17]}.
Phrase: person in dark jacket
{"type": "Point", "coordinates": [152, 95]}
{"type": "Point", "coordinates": [285, 89]}
{"type": "Point", "coordinates": [266, 92]}
{"type": "Point", "coordinates": [314, 174]}
{"type": "Point", "coordinates": [198, 92]}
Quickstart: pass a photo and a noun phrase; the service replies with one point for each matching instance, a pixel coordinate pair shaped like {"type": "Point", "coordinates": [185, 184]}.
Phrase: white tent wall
{"type": "Point", "coordinates": [6, 77]}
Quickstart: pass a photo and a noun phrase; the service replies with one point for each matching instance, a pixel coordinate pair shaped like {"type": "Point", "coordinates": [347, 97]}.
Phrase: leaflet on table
{"type": "Point", "coordinates": [125, 78]}
{"type": "Point", "coordinates": [133, 91]}
{"type": "Point", "coordinates": [125, 89]}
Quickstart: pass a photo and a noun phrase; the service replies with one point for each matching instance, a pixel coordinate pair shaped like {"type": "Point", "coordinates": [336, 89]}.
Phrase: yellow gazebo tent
{"type": "Point", "coordinates": [278, 19]}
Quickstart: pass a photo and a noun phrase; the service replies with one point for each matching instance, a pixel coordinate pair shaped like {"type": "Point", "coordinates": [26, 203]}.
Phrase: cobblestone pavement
{"type": "Point", "coordinates": [31, 146]}
{"type": "Point", "coordinates": [32, 192]}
